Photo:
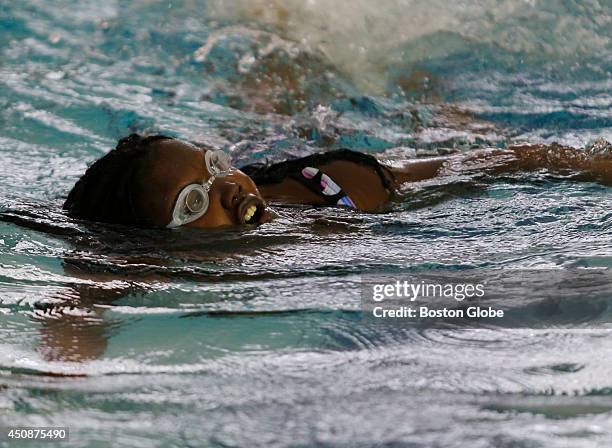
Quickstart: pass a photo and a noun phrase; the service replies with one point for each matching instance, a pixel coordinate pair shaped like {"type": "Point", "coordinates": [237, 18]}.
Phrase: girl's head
{"type": "Point", "coordinates": [159, 181]}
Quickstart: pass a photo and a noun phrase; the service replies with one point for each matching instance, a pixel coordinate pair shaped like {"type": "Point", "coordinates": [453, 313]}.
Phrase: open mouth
{"type": "Point", "coordinates": [250, 210]}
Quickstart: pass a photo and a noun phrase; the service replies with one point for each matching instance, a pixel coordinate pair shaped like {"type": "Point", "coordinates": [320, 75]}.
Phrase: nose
{"type": "Point", "coordinates": [231, 192]}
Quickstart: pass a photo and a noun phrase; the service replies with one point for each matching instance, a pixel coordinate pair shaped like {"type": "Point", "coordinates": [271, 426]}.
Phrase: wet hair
{"type": "Point", "coordinates": [105, 192]}
{"type": "Point", "coordinates": [265, 174]}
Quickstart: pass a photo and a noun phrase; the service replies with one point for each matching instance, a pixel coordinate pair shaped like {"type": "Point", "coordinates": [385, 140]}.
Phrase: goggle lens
{"type": "Point", "coordinates": [218, 163]}
{"type": "Point", "coordinates": [195, 201]}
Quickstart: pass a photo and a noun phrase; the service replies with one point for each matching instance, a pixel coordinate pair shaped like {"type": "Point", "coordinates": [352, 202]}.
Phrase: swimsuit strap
{"type": "Point", "coordinates": [322, 185]}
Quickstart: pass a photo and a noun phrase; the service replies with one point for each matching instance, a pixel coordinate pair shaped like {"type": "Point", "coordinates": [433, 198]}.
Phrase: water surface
{"type": "Point", "coordinates": [254, 337]}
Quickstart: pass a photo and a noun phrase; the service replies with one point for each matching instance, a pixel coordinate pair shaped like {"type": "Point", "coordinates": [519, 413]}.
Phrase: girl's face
{"type": "Point", "coordinates": [171, 165]}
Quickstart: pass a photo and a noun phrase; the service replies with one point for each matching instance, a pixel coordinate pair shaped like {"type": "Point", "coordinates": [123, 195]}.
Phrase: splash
{"type": "Point", "coordinates": [368, 39]}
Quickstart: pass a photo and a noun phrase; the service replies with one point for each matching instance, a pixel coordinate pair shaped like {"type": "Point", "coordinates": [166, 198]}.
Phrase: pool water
{"type": "Point", "coordinates": [255, 337]}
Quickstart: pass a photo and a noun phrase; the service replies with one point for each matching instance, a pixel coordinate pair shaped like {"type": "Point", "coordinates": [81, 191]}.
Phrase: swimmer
{"type": "Point", "coordinates": [163, 182]}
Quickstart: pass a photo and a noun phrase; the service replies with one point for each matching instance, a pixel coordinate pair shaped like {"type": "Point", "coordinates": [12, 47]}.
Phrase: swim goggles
{"type": "Point", "coordinates": [193, 200]}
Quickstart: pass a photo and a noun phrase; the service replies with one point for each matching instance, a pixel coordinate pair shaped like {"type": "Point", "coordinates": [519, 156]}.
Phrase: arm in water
{"type": "Point", "coordinates": [592, 164]}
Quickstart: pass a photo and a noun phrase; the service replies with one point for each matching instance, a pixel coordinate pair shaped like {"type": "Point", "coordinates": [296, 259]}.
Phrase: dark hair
{"type": "Point", "coordinates": [104, 192]}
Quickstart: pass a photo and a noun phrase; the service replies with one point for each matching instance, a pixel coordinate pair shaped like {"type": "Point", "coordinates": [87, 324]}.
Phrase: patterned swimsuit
{"type": "Point", "coordinates": [304, 170]}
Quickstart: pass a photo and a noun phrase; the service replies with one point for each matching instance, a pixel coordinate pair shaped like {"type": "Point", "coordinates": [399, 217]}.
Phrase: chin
{"type": "Point", "coordinates": [267, 215]}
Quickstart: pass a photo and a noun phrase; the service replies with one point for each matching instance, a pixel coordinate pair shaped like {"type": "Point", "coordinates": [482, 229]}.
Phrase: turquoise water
{"type": "Point", "coordinates": [255, 337]}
